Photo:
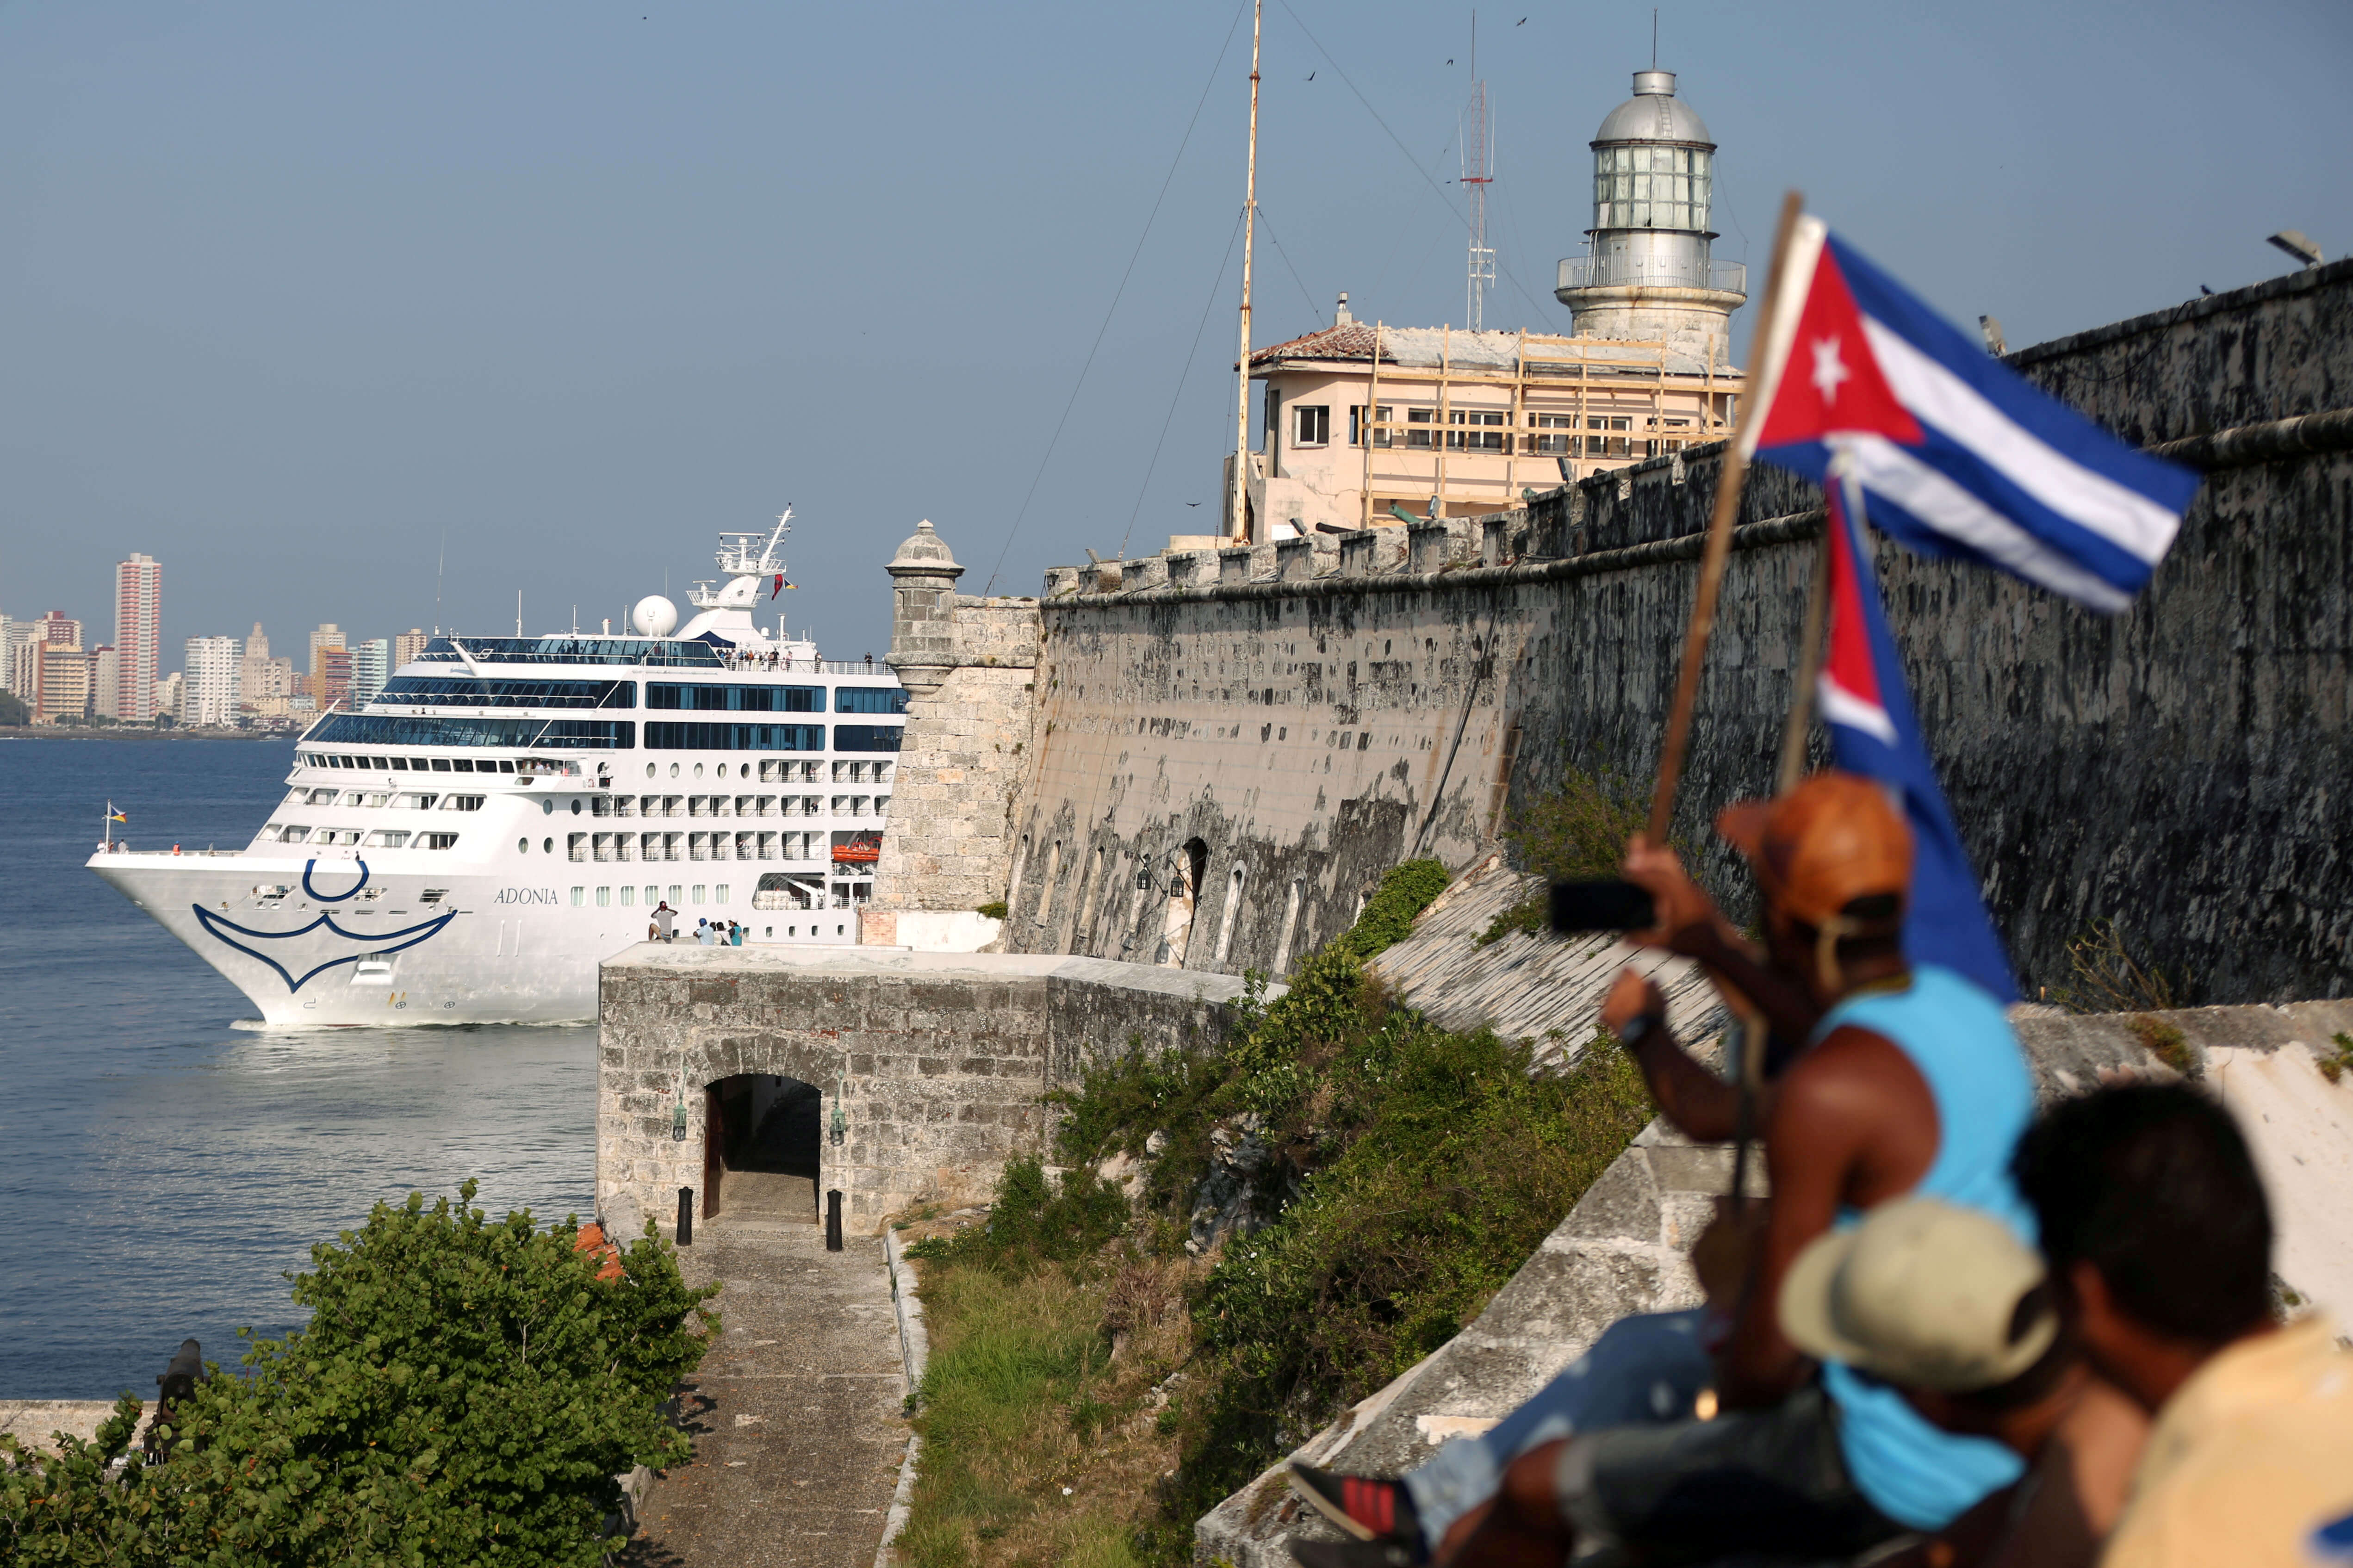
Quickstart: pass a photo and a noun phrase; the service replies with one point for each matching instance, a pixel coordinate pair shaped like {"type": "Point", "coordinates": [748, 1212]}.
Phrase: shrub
{"type": "Point", "coordinates": [1388, 915]}
{"type": "Point", "coordinates": [1578, 833]}
{"type": "Point", "coordinates": [994, 910]}
{"type": "Point", "coordinates": [466, 1391]}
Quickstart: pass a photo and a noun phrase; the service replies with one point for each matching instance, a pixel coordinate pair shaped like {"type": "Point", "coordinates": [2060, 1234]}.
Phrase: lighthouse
{"type": "Point", "coordinates": [1647, 274]}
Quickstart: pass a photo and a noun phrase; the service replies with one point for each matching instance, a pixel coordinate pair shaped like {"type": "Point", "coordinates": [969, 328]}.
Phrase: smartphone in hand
{"type": "Point", "coordinates": [1610, 904]}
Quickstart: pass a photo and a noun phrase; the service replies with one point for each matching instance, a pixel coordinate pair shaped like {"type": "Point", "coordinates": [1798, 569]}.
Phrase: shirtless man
{"type": "Point", "coordinates": [1911, 1081]}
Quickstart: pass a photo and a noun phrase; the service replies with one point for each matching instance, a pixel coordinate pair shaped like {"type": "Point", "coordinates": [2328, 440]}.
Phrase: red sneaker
{"type": "Point", "coordinates": [1367, 1510]}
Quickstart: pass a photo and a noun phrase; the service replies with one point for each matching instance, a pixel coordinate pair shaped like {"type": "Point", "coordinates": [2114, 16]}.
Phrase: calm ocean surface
{"type": "Point", "coordinates": [161, 1169]}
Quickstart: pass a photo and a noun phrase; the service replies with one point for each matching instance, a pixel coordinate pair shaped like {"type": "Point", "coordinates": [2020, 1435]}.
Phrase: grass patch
{"type": "Point", "coordinates": [2333, 1066]}
{"type": "Point", "coordinates": [1409, 1172]}
{"type": "Point", "coordinates": [2166, 1042]}
{"type": "Point", "coordinates": [994, 910]}
{"type": "Point", "coordinates": [2104, 978]}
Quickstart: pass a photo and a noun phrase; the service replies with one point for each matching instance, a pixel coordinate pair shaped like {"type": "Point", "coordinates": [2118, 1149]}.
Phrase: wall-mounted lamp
{"type": "Point", "coordinates": [678, 1113]}
{"type": "Point", "coordinates": [1143, 881]}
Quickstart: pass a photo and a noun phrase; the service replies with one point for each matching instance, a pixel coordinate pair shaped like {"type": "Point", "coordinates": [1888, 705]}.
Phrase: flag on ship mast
{"type": "Point", "coordinates": [1958, 455]}
{"type": "Point", "coordinates": [114, 815]}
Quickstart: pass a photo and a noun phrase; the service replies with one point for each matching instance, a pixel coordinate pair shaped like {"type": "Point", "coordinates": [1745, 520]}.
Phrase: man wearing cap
{"type": "Point", "coordinates": [1950, 1307]}
{"type": "Point", "coordinates": [1910, 1080]}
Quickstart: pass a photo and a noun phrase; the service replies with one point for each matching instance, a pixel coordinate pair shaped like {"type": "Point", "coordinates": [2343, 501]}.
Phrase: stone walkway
{"type": "Point", "coordinates": [797, 1415]}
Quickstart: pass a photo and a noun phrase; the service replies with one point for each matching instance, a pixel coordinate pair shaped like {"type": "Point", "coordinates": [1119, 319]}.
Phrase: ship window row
{"type": "Point", "coordinates": [403, 800]}
{"type": "Point", "coordinates": [572, 650]}
{"type": "Point", "coordinates": [751, 845]}
{"type": "Point", "coordinates": [712, 737]}
{"type": "Point", "coordinates": [379, 838]}
{"type": "Point", "coordinates": [678, 897]}
{"type": "Point", "coordinates": [534, 767]}
{"type": "Point", "coordinates": [471, 691]}
{"type": "Point", "coordinates": [521, 734]}
{"type": "Point", "coordinates": [887, 700]}
{"type": "Point", "coordinates": [732, 805]}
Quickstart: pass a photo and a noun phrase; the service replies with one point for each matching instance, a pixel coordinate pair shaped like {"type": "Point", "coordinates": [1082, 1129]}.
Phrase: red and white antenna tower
{"type": "Point", "coordinates": [1477, 175]}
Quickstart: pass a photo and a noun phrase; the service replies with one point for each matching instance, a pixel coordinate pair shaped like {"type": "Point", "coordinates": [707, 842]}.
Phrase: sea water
{"type": "Point", "coordinates": [163, 1162]}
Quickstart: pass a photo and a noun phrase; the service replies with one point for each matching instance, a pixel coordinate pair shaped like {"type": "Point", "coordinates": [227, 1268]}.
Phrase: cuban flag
{"type": "Point", "coordinates": [1958, 455]}
{"type": "Point", "coordinates": [1862, 698]}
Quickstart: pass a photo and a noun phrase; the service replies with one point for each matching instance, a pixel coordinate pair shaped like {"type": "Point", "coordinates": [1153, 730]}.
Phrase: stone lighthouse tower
{"type": "Point", "coordinates": [1649, 274]}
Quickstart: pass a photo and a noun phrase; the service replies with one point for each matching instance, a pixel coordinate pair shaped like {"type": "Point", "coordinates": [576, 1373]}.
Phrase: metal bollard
{"type": "Point", "coordinates": [686, 1216]}
{"type": "Point", "coordinates": [833, 1222]}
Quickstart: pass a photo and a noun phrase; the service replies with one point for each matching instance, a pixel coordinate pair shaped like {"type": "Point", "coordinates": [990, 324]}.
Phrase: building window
{"type": "Point", "coordinates": [604, 897]}
{"type": "Point", "coordinates": [1267, 431]}
{"type": "Point", "coordinates": [1359, 425]}
{"type": "Point", "coordinates": [1484, 432]}
{"type": "Point", "coordinates": [1608, 446]}
{"type": "Point", "coordinates": [1547, 441]}
{"type": "Point", "coordinates": [629, 896]}
{"type": "Point", "coordinates": [437, 840]}
{"type": "Point", "coordinates": [1422, 440]}
{"type": "Point", "coordinates": [719, 894]}
{"type": "Point", "coordinates": [579, 897]}
{"type": "Point", "coordinates": [1310, 424]}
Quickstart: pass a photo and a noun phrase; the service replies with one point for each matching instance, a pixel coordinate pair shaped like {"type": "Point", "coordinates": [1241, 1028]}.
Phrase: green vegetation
{"type": "Point", "coordinates": [2333, 1066]}
{"type": "Point", "coordinates": [1400, 1173]}
{"type": "Point", "coordinates": [2166, 1042]}
{"type": "Point", "coordinates": [994, 910]}
{"type": "Point", "coordinates": [13, 709]}
{"type": "Point", "coordinates": [465, 1391]}
{"type": "Point", "coordinates": [2104, 978]}
{"type": "Point", "coordinates": [1577, 833]}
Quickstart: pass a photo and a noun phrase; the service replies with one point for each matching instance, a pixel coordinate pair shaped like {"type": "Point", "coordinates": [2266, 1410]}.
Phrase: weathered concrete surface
{"type": "Point", "coordinates": [1529, 987]}
{"type": "Point", "coordinates": [36, 1422]}
{"type": "Point", "coordinates": [938, 1061]}
{"type": "Point", "coordinates": [1308, 721]}
{"type": "Point", "coordinates": [1622, 1248]}
{"type": "Point", "coordinates": [796, 1413]}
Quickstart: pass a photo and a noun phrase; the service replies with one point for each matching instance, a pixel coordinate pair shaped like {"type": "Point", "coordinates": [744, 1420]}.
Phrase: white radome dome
{"type": "Point", "coordinates": [654, 616]}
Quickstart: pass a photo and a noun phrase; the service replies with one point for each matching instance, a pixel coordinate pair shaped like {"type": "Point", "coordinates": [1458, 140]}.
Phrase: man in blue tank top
{"type": "Point", "coordinates": [1911, 1082]}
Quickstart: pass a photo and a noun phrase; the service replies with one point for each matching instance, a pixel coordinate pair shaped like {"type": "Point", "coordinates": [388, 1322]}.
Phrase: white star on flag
{"type": "Point", "coordinates": [1829, 369]}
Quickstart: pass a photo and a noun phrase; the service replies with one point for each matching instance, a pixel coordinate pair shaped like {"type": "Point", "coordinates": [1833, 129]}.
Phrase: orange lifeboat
{"type": "Point", "coordinates": [858, 852]}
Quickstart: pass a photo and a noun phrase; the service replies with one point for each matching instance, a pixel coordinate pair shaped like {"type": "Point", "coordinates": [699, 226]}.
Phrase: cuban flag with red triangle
{"type": "Point", "coordinates": [1958, 454]}
{"type": "Point", "coordinates": [1863, 700]}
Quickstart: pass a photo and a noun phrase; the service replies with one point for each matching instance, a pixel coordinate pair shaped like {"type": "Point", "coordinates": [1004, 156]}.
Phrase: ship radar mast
{"type": "Point", "coordinates": [746, 559]}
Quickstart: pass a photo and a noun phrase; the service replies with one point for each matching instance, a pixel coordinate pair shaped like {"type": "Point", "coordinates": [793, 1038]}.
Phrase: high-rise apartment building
{"type": "Point", "coordinates": [332, 683]}
{"type": "Point", "coordinates": [105, 684]}
{"type": "Point", "coordinates": [319, 681]}
{"type": "Point", "coordinates": [209, 690]}
{"type": "Point", "coordinates": [138, 626]}
{"type": "Point", "coordinates": [27, 640]}
{"type": "Point", "coordinates": [408, 646]}
{"type": "Point", "coordinates": [12, 631]}
{"type": "Point", "coordinates": [53, 670]}
{"type": "Point", "coordinates": [168, 693]}
{"type": "Point", "coordinates": [371, 667]}
{"type": "Point", "coordinates": [252, 672]}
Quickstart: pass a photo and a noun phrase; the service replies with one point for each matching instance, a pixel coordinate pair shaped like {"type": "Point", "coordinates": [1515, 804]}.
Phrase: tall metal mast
{"type": "Point", "coordinates": [1238, 499]}
{"type": "Point", "coordinates": [1476, 177]}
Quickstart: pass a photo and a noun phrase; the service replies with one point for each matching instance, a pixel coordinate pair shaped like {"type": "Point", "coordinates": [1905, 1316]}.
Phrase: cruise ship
{"type": "Point", "coordinates": [509, 811]}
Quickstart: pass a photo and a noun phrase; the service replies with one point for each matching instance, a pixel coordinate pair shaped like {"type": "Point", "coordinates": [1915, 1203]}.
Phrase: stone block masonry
{"type": "Point", "coordinates": [1222, 754]}
{"type": "Point", "coordinates": [939, 1062]}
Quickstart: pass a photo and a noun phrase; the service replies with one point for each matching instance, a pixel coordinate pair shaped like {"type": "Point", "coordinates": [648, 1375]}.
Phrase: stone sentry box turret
{"type": "Point", "coordinates": [969, 664]}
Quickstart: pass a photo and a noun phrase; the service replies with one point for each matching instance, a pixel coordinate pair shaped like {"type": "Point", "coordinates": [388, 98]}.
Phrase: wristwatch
{"type": "Point", "coordinates": [1639, 1028]}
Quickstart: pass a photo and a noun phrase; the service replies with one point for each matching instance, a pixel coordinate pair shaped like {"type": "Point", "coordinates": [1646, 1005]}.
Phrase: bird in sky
{"type": "Point", "coordinates": [1192, 503]}
{"type": "Point", "coordinates": [1521, 23]}
{"type": "Point", "coordinates": [1311, 76]}
{"type": "Point", "coordinates": [1449, 62]}
{"type": "Point", "coordinates": [2203, 291]}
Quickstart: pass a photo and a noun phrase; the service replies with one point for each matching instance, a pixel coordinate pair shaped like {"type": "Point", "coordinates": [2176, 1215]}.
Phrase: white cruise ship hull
{"type": "Point", "coordinates": [494, 949]}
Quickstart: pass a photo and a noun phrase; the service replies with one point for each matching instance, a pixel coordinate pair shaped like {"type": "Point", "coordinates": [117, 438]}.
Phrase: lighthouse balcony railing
{"type": "Point", "coordinates": [1654, 271]}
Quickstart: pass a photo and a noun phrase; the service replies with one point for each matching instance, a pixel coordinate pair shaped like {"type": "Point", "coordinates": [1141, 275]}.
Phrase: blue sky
{"type": "Point", "coordinates": [287, 291]}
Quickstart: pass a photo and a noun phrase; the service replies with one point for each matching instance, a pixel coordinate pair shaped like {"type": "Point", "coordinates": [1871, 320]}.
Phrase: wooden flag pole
{"type": "Point", "coordinates": [1719, 540]}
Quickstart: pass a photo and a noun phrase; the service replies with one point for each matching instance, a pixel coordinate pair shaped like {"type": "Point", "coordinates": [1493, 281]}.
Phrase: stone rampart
{"type": "Point", "coordinates": [1226, 747]}
{"type": "Point", "coordinates": [938, 1062]}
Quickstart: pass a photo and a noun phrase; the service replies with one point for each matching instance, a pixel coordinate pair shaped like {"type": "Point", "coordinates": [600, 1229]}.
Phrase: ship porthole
{"type": "Point", "coordinates": [576, 808]}
{"type": "Point", "coordinates": [673, 770]}
{"type": "Point", "coordinates": [522, 846]}
{"type": "Point", "coordinates": [649, 770]}
{"type": "Point", "coordinates": [546, 807]}
{"type": "Point", "coordinates": [698, 770]}
{"type": "Point", "coordinates": [547, 846]}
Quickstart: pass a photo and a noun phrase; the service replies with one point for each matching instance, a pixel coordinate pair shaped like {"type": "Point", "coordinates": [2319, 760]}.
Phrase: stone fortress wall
{"type": "Point", "coordinates": [1207, 757]}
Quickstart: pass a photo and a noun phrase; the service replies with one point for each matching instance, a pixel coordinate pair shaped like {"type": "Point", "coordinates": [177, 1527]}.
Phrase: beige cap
{"type": "Point", "coordinates": [1922, 1293]}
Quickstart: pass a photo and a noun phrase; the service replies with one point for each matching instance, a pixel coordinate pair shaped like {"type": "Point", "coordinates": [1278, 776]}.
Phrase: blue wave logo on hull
{"type": "Point", "coordinates": [379, 942]}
